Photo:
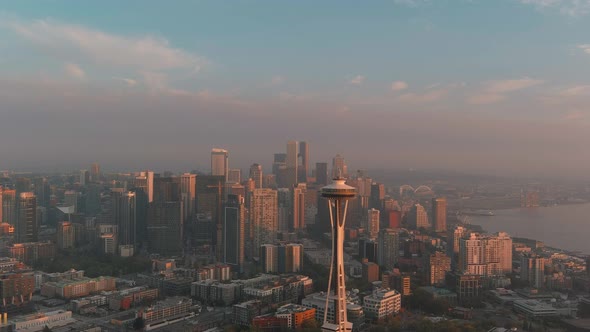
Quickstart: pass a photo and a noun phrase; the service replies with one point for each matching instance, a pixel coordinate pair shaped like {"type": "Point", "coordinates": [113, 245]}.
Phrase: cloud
{"type": "Point", "coordinates": [495, 91]}
{"type": "Point", "coordinates": [399, 86]}
{"type": "Point", "coordinates": [505, 86]}
{"type": "Point", "coordinates": [357, 80]}
{"type": "Point", "coordinates": [579, 90]}
{"type": "Point", "coordinates": [277, 80]}
{"type": "Point", "coordinates": [74, 71]}
{"type": "Point", "coordinates": [425, 97]}
{"type": "Point", "coordinates": [565, 7]}
{"type": "Point", "coordinates": [128, 81]}
{"type": "Point", "coordinates": [146, 53]}
{"type": "Point", "coordinates": [481, 99]}
{"type": "Point", "coordinates": [575, 115]}
{"type": "Point", "coordinates": [585, 48]}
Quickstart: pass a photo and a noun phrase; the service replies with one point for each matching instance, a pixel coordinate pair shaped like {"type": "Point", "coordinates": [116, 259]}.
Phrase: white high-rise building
{"type": "Point", "coordinates": [486, 255]}
{"type": "Point", "coordinates": [382, 303]}
{"type": "Point", "coordinates": [219, 162]}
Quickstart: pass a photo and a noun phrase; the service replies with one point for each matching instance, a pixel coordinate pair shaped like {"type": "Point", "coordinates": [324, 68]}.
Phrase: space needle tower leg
{"type": "Point", "coordinates": [338, 194]}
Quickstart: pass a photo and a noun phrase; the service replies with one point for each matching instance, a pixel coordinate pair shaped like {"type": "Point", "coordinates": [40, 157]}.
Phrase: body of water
{"type": "Point", "coordinates": [565, 227]}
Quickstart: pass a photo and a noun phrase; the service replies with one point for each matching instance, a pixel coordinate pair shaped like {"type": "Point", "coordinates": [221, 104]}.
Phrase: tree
{"type": "Point", "coordinates": [139, 324]}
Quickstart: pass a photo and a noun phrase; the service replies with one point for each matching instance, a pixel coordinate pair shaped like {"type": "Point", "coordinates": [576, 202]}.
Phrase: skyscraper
{"type": "Point", "coordinates": [321, 173]}
{"type": "Point", "coordinates": [292, 163]}
{"type": "Point", "coordinates": [219, 162]}
{"type": "Point", "coordinates": [439, 265]}
{"type": "Point", "coordinates": [373, 220]}
{"type": "Point", "coordinates": [377, 196]}
{"type": "Point", "coordinates": [234, 175]}
{"type": "Point", "coordinates": [145, 181]}
{"type": "Point", "coordinates": [42, 191]}
{"type": "Point", "coordinates": [418, 217]}
{"type": "Point", "coordinates": [84, 177]}
{"type": "Point", "coordinates": [439, 214]}
{"type": "Point", "coordinates": [188, 192]}
{"type": "Point", "coordinates": [388, 248]}
{"type": "Point", "coordinates": [269, 257]}
{"type": "Point", "coordinates": [303, 167]}
{"type": "Point", "coordinates": [471, 255]}
{"type": "Point", "coordinates": [233, 232]}
{"type": "Point", "coordinates": [165, 227]}
{"type": "Point", "coordinates": [210, 195]}
{"type": "Point", "coordinates": [65, 235]}
{"type": "Point", "coordinates": [486, 255]}
{"type": "Point", "coordinates": [339, 165]}
{"type": "Point", "coordinates": [27, 228]}
{"type": "Point", "coordinates": [263, 217]}
{"type": "Point", "coordinates": [95, 172]}
{"type": "Point", "coordinates": [124, 215]}
{"type": "Point", "coordinates": [256, 175]}
{"type": "Point", "coordinates": [532, 269]}
{"type": "Point", "coordinates": [9, 208]}
{"type": "Point", "coordinates": [298, 211]}
{"type": "Point", "coordinates": [285, 209]}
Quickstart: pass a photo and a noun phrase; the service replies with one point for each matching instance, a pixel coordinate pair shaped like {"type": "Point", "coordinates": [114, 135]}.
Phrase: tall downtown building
{"type": "Point", "coordinates": [388, 248]}
{"type": "Point", "coordinates": [124, 212]}
{"type": "Point", "coordinates": [439, 214]}
{"type": "Point", "coordinates": [188, 194]}
{"type": "Point", "coordinates": [165, 227]}
{"type": "Point", "coordinates": [234, 232]}
{"type": "Point", "coordinates": [256, 175]}
{"type": "Point", "coordinates": [339, 165]}
{"type": "Point", "coordinates": [27, 227]}
{"type": "Point", "coordinates": [219, 162]}
{"type": "Point", "coordinates": [9, 208]}
{"type": "Point", "coordinates": [292, 163]}
{"type": "Point", "coordinates": [263, 218]}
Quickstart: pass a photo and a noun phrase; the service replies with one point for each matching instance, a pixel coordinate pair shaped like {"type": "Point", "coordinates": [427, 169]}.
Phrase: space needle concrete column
{"type": "Point", "coordinates": [338, 194]}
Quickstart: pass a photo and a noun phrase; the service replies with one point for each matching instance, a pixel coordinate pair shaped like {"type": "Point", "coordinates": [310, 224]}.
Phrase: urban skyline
{"type": "Point", "coordinates": [395, 165]}
{"type": "Point", "coordinates": [454, 102]}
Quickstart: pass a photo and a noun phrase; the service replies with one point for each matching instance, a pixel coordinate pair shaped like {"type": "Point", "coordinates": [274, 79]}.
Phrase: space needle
{"type": "Point", "coordinates": [338, 194]}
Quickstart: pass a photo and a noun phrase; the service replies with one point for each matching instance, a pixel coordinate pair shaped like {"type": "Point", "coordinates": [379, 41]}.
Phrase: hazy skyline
{"type": "Point", "coordinates": [497, 87]}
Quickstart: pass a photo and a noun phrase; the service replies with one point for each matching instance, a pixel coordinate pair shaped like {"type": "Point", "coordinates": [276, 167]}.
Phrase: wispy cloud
{"type": "Point", "coordinates": [578, 90]}
{"type": "Point", "coordinates": [399, 86]}
{"type": "Point", "coordinates": [585, 48]}
{"type": "Point", "coordinates": [147, 52]}
{"type": "Point", "coordinates": [481, 99]}
{"type": "Point", "coordinates": [74, 71]}
{"type": "Point", "coordinates": [566, 7]}
{"type": "Point", "coordinates": [277, 80]}
{"type": "Point", "coordinates": [495, 91]}
{"type": "Point", "coordinates": [357, 80]}
{"type": "Point", "coordinates": [424, 97]}
{"type": "Point", "coordinates": [128, 81]}
{"type": "Point", "coordinates": [505, 86]}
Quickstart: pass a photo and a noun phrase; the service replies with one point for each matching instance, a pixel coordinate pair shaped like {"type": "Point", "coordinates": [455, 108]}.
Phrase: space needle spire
{"type": "Point", "coordinates": [338, 194]}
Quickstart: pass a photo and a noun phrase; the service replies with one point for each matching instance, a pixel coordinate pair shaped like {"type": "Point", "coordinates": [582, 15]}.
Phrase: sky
{"type": "Point", "coordinates": [498, 87]}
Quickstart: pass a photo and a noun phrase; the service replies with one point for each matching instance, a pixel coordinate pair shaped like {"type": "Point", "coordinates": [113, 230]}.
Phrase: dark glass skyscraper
{"type": "Point", "coordinates": [27, 228]}
{"type": "Point", "coordinates": [233, 232]}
